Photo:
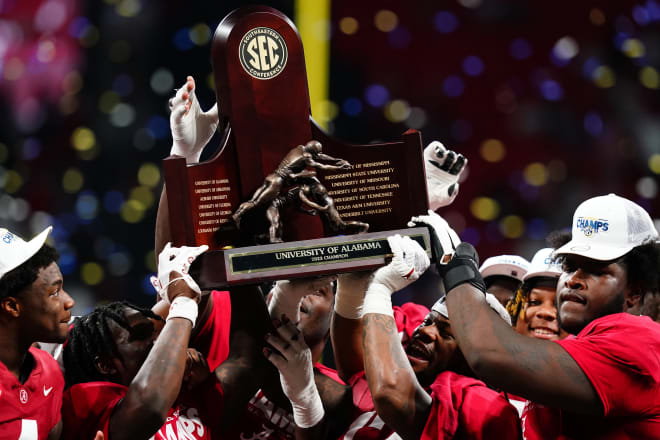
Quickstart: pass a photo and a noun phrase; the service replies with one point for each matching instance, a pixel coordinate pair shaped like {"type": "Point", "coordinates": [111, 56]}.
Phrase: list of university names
{"type": "Point", "coordinates": [213, 205]}
{"type": "Point", "coordinates": [366, 189]}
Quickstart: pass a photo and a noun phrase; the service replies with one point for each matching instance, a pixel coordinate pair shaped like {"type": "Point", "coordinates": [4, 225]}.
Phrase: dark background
{"type": "Point", "coordinates": [552, 103]}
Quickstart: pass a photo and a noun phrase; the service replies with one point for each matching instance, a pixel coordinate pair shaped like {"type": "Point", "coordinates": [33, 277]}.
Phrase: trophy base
{"type": "Point", "coordinates": [297, 259]}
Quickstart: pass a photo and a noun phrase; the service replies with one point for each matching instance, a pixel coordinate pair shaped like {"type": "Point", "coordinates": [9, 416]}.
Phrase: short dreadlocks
{"type": "Point", "coordinates": [91, 337]}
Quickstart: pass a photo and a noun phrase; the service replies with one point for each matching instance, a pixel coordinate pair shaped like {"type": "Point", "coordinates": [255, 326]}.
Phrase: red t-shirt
{"type": "Point", "coordinates": [213, 338]}
{"type": "Point", "coordinates": [464, 407]}
{"type": "Point", "coordinates": [620, 354]}
{"type": "Point", "coordinates": [32, 409]}
{"type": "Point", "coordinates": [87, 408]}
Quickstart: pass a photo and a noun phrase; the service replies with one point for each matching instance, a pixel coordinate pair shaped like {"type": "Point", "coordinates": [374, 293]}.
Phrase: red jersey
{"type": "Point", "coordinates": [264, 420]}
{"type": "Point", "coordinates": [367, 425]}
{"type": "Point", "coordinates": [87, 408]}
{"type": "Point", "coordinates": [464, 407]}
{"type": "Point", "coordinates": [32, 409]}
{"type": "Point", "coordinates": [619, 355]}
{"type": "Point", "coordinates": [213, 338]}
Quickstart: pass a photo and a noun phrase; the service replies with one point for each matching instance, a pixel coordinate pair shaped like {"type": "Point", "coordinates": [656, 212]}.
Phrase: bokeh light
{"type": "Point", "coordinates": [647, 187]}
{"type": "Point", "coordinates": [348, 25]}
{"type": "Point", "coordinates": [386, 20]}
{"type": "Point", "coordinates": [91, 273]}
{"type": "Point", "coordinates": [484, 208]}
{"type": "Point", "coordinates": [132, 211]}
{"type": "Point", "coordinates": [397, 111]}
{"type": "Point", "coordinates": [445, 22]}
{"type": "Point", "coordinates": [604, 77]}
{"type": "Point", "coordinates": [83, 139]}
{"type": "Point", "coordinates": [649, 77]}
{"type": "Point", "coordinates": [512, 226]}
{"type": "Point", "coordinates": [72, 180]}
{"type": "Point", "coordinates": [654, 163]}
{"type": "Point", "coordinates": [536, 174]}
{"type": "Point", "coordinates": [492, 150]}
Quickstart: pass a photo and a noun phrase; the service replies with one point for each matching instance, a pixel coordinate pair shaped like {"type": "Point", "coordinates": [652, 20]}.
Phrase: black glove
{"type": "Point", "coordinates": [463, 268]}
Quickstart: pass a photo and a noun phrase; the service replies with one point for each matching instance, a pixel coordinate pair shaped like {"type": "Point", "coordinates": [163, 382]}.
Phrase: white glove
{"type": "Point", "coordinates": [443, 169]}
{"type": "Point", "coordinates": [408, 264]}
{"type": "Point", "coordinates": [296, 373]}
{"type": "Point", "coordinates": [173, 259]}
{"type": "Point", "coordinates": [287, 295]}
{"type": "Point", "coordinates": [447, 237]}
{"type": "Point", "coordinates": [191, 128]}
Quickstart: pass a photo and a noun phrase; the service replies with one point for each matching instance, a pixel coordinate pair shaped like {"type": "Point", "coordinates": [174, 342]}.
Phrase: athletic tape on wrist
{"type": "Point", "coordinates": [308, 411]}
{"type": "Point", "coordinates": [349, 303]}
{"type": "Point", "coordinates": [183, 307]}
{"type": "Point", "coordinates": [378, 299]}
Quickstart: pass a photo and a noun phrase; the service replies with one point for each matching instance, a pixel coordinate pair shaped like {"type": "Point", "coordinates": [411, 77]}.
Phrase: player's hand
{"type": "Point", "coordinates": [99, 436]}
{"type": "Point", "coordinates": [408, 263]}
{"type": "Point", "coordinates": [191, 127]}
{"type": "Point", "coordinates": [443, 238]}
{"type": "Point", "coordinates": [294, 362]}
{"type": "Point", "coordinates": [443, 169]}
{"type": "Point", "coordinates": [197, 369]}
{"type": "Point", "coordinates": [287, 295]}
{"type": "Point", "coordinates": [173, 265]}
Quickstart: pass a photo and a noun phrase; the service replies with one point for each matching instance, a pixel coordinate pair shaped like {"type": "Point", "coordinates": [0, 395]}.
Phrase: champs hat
{"type": "Point", "coordinates": [608, 227]}
{"type": "Point", "coordinates": [544, 264]}
{"type": "Point", "coordinates": [511, 266]}
{"type": "Point", "coordinates": [15, 251]}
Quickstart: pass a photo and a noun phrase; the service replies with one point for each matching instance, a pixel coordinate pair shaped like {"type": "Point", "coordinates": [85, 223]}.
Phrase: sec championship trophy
{"type": "Point", "coordinates": [280, 198]}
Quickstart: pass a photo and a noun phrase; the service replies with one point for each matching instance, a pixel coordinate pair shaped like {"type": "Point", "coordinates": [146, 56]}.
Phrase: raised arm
{"type": "Point", "coordinates": [346, 325]}
{"type": "Point", "coordinates": [191, 130]}
{"type": "Point", "coordinates": [157, 383]}
{"type": "Point", "coordinates": [399, 399]}
{"type": "Point", "coordinates": [541, 371]}
{"type": "Point", "coordinates": [245, 370]}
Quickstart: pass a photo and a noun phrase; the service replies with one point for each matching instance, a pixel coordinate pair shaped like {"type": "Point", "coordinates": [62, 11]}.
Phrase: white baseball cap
{"type": "Point", "coordinates": [15, 251]}
{"type": "Point", "coordinates": [544, 264]}
{"type": "Point", "coordinates": [608, 227]}
{"type": "Point", "coordinates": [440, 306]}
{"type": "Point", "coordinates": [511, 266]}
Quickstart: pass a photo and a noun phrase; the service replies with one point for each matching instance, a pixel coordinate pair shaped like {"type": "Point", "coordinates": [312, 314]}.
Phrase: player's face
{"type": "Point", "coordinates": [46, 307]}
{"type": "Point", "coordinates": [133, 346]}
{"type": "Point", "coordinates": [315, 315]}
{"type": "Point", "coordinates": [432, 348]}
{"type": "Point", "coordinates": [539, 319]}
{"type": "Point", "coordinates": [589, 289]}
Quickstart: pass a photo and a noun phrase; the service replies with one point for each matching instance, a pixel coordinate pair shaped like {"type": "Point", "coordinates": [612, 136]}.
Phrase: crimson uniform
{"type": "Point", "coordinates": [87, 407]}
{"type": "Point", "coordinates": [620, 355]}
{"type": "Point", "coordinates": [464, 407]}
{"type": "Point", "coordinates": [29, 411]}
{"type": "Point", "coordinates": [265, 421]}
{"type": "Point", "coordinates": [366, 423]}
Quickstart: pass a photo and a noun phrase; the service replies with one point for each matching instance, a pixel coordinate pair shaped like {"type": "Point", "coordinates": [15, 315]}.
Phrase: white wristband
{"type": "Point", "coordinates": [348, 303]}
{"type": "Point", "coordinates": [378, 299]}
{"type": "Point", "coordinates": [310, 411]}
{"type": "Point", "coordinates": [183, 307]}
